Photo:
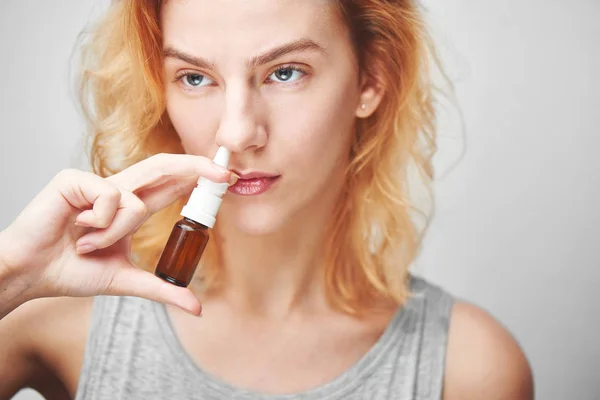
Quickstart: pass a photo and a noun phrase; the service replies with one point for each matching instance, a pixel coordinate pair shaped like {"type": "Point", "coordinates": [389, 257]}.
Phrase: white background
{"type": "Point", "coordinates": [517, 219]}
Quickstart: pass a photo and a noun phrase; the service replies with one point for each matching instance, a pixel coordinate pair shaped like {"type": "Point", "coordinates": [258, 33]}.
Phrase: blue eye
{"type": "Point", "coordinates": [287, 74]}
{"type": "Point", "coordinates": [194, 80]}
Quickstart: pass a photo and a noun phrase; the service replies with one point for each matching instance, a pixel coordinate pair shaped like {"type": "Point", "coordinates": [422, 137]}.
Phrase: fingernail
{"type": "Point", "coordinates": [233, 179]}
{"type": "Point", "coordinates": [82, 224]}
{"type": "Point", "coordinates": [193, 314]}
{"type": "Point", "coordinates": [83, 248]}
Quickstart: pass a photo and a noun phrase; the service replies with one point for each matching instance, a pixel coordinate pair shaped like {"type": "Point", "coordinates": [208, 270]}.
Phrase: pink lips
{"type": "Point", "coordinates": [253, 183]}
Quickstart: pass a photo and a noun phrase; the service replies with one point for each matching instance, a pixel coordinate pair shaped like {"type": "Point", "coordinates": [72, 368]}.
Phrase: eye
{"type": "Point", "coordinates": [287, 74]}
{"type": "Point", "coordinates": [192, 80]}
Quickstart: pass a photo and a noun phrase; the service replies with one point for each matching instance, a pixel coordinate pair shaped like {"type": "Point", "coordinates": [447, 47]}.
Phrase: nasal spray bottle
{"type": "Point", "coordinates": [189, 236]}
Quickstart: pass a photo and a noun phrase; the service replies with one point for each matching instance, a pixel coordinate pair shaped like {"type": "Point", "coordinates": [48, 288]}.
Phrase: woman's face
{"type": "Point", "coordinates": [277, 83]}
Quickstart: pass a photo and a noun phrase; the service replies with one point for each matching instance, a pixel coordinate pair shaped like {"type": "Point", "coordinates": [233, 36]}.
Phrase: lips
{"type": "Point", "coordinates": [254, 175]}
{"type": "Point", "coordinates": [253, 183]}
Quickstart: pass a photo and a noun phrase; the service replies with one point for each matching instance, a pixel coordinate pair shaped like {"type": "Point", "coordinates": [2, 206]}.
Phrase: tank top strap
{"type": "Point", "coordinates": [435, 309]}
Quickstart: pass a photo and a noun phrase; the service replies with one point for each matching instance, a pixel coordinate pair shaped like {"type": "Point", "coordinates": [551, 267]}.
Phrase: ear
{"type": "Point", "coordinates": [371, 94]}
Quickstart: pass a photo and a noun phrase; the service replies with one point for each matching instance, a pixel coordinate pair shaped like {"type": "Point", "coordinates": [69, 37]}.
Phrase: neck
{"type": "Point", "coordinates": [279, 272]}
{"type": "Point", "coordinates": [275, 273]}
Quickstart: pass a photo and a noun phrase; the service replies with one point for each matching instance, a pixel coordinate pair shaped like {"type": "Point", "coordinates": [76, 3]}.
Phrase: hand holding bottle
{"type": "Point", "coordinates": [73, 239]}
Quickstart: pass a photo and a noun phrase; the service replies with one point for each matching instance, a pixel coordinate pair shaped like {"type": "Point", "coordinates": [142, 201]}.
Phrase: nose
{"type": "Point", "coordinates": [241, 128]}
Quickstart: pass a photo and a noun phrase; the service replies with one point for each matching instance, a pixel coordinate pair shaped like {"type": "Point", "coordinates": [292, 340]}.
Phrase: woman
{"type": "Point", "coordinates": [326, 107]}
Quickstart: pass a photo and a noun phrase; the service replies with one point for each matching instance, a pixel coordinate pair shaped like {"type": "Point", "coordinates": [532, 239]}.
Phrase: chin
{"type": "Point", "coordinates": [252, 219]}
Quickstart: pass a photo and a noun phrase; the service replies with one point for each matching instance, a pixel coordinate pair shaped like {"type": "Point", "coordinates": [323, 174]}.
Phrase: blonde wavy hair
{"type": "Point", "coordinates": [375, 234]}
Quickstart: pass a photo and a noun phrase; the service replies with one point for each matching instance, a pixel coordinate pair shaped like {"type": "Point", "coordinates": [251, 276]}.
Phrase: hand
{"type": "Point", "coordinates": [74, 238]}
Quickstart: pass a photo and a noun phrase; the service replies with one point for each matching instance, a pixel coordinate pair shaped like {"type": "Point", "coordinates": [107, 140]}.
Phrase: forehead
{"type": "Point", "coordinates": [240, 27]}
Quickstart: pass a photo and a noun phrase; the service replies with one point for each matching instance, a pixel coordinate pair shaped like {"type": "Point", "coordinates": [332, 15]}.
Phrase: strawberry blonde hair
{"type": "Point", "coordinates": [374, 235]}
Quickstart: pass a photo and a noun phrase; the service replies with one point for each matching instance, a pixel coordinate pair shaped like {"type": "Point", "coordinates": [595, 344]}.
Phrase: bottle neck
{"type": "Point", "coordinates": [195, 224]}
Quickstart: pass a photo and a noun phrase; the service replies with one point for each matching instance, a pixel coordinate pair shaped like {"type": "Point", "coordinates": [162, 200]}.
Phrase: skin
{"type": "Point", "coordinates": [301, 130]}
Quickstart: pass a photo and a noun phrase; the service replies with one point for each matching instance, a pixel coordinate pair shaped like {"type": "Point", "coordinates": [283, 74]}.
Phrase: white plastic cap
{"type": "Point", "coordinates": [205, 201]}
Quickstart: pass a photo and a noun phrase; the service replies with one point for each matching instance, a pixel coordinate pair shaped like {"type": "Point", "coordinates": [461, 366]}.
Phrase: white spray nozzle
{"type": "Point", "coordinates": [205, 201]}
{"type": "Point", "coordinates": [222, 157]}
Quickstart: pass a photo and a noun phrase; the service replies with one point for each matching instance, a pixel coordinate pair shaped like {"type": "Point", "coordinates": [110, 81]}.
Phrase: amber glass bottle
{"type": "Point", "coordinates": [182, 253]}
{"type": "Point", "coordinates": [189, 236]}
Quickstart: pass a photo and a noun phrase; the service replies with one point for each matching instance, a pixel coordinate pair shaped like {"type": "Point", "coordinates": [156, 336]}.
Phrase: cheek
{"type": "Point", "coordinates": [318, 134]}
{"type": "Point", "coordinates": [195, 122]}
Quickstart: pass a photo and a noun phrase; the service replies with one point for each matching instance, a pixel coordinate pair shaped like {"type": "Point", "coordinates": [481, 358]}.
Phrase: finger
{"type": "Point", "coordinates": [163, 167]}
{"type": "Point", "coordinates": [161, 196]}
{"type": "Point", "coordinates": [130, 215]}
{"type": "Point", "coordinates": [82, 189]}
{"type": "Point", "coordinates": [136, 282]}
{"type": "Point", "coordinates": [103, 211]}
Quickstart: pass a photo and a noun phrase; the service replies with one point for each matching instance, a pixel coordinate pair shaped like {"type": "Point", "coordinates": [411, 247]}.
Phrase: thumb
{"type": "Point", "coordinates": [136, 282]}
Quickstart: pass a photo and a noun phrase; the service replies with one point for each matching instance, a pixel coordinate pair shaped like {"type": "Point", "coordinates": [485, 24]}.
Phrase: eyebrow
{"type": "Point", "coordinates": [302, 45]}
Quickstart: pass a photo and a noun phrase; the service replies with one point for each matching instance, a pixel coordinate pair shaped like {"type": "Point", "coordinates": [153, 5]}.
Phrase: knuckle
{"type": "Point", "coordinates": [103, 222]}
{"type": "Point", "coordinates": [112, 197]}
{"type": "Point", "coordinates": [113, 194]}
{"type": "Point", "coordinates": [140, 209]}
{"type": "Point", "coordinates": [66, 175]}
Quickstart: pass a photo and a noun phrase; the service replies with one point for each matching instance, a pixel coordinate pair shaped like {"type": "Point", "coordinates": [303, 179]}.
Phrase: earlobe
{"type": "Point", "coordinates": [370, 98]}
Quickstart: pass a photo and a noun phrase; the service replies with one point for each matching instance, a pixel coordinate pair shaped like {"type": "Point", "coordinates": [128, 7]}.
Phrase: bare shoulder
{"type": "Point", "coordinates": [46, 339]}
{"type": "Point", "coordinates": [483, 360]}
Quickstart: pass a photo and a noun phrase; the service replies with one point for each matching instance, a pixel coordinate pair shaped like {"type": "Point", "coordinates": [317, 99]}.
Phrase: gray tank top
{"type": "Point", "coordinates": [133, 353]}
